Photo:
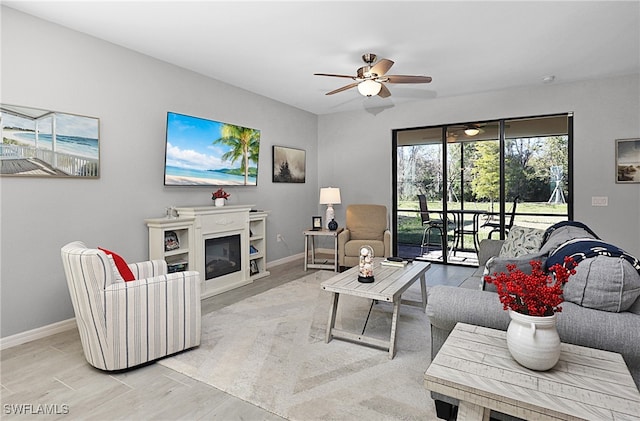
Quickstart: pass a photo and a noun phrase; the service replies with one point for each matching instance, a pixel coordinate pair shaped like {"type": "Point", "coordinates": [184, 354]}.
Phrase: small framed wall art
{"type": "Point", "coordinates": [289, 165]}
{"type": "Point", "coordinates": [316, 223]}
{"type": "Point", "coordinates": [627, 161]}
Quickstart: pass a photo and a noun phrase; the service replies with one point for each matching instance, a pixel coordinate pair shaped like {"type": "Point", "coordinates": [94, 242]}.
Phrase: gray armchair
{"type": "Point", "coordinates": [365, 225]}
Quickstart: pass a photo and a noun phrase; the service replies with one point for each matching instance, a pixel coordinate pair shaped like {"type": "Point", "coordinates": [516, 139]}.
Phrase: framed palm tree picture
{"type": "Point", "coordinates": [288, 165]}
{"type": "Point", "coordinates": [202, 152]}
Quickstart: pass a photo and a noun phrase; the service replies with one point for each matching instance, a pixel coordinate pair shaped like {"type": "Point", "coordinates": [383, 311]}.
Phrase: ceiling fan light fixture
{"type": "Point", "coordinates": [471, 131]}
{"type": "Point", "coordinates": [369, 87]}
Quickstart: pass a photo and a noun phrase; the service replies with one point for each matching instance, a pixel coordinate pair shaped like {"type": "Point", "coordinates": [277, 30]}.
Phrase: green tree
{"type": "Point", "coordinates": [418, 171]}
{"type": "Point", "coordinates": [244, 143]}
{"type": "Point", "coordinates": [486, 171]}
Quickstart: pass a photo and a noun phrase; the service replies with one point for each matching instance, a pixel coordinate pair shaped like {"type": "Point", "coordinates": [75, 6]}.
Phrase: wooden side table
{"type": "Point", "coordinates": [310, 246]}
{"type": "Point", "coordinates": [475, 367]}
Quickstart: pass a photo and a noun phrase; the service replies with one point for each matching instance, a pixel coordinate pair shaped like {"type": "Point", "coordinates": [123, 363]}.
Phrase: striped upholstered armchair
{"type": "Point", "coordinates": [124, 324]}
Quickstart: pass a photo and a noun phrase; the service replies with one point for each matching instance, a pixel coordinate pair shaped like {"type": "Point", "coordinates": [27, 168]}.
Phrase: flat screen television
{"type": "Point", "coordinates": [201, 152]}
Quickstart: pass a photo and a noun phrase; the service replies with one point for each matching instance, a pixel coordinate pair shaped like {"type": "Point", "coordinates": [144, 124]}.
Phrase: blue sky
{"type": "Point", "coordinates": [190, 143]}
{"type": "Point", "coordinates": [66, 124]}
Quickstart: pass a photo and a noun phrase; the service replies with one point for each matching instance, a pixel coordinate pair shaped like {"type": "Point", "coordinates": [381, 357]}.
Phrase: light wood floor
{"type": "Point", "coordinates": [51, 374]}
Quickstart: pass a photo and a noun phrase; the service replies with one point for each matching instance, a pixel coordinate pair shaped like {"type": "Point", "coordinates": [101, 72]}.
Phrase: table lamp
{"type": "Point", "coordinates": [329, 196]}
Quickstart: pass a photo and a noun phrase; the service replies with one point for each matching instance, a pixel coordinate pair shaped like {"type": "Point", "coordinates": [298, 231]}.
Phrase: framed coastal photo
{"type": "Point", "coordinates": [44, 143]}
{"type": "Point", "coordinates": [627, 161]}
{"type": "Point", "coordinates": [289, 165]}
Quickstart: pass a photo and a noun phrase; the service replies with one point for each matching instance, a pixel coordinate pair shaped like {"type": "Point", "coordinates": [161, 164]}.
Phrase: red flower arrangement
{"type": "Point", "coordinates": [220, 194]}
{"type": "Point", "coordinates": [537, 294]}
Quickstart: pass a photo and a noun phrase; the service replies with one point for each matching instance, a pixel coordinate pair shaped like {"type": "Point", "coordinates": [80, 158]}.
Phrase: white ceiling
{"type": "Point", "coordinates": [273, 48]}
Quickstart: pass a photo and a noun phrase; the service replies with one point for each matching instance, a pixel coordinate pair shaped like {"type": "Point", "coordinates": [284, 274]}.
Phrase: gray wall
{"type": "Point", "coordinates": [356, 147]}
{"type": "Point", "coordinates": [47, 66]}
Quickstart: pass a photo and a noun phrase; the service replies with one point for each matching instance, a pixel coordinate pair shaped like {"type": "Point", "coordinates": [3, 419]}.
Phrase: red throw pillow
{"type": "Point", "coordinates": [124, 270]}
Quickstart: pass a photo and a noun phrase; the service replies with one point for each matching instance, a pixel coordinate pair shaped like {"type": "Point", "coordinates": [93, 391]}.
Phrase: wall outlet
{"type": "Point", "coordinates": [279, 238]}
{"type": "Point", "coordinates": [600, 201]}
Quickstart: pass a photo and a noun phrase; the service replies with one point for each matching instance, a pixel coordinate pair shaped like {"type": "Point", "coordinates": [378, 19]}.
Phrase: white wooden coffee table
{"type": "Point", "coordinates": [475, 367]}
{"type": "Point", "coordinates": [389, 284]}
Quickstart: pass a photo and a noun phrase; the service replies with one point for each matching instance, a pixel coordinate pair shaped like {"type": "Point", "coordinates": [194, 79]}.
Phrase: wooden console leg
{"type": "Point", "coordinates": [468, 411]}
{"type": "Point", "coordinates": [332, 317]}
{"type": "Point", "coordinates": [394, 324]}
{"type": "Point", "coordinates": [423, 290]}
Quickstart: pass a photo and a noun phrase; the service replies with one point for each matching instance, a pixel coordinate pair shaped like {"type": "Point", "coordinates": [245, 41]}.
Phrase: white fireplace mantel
{"type": "Point", "coordinates": [211, 222]}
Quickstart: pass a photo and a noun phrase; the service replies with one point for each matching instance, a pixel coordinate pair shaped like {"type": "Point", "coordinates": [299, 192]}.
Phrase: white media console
{"type": "Point", "coordinates": [226, 244]}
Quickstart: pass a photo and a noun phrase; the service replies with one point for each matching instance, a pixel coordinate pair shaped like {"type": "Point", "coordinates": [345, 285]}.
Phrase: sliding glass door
{"type": "Point", "coordinates": [476, 180]}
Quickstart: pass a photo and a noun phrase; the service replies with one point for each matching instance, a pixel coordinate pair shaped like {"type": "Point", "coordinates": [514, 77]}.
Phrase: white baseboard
{"type": "Point", "coordinates": [38, 333]}
{"type": "Point", "coordinates": [284, 260]}
{"type": "Point", "coordinates": [297, 256]}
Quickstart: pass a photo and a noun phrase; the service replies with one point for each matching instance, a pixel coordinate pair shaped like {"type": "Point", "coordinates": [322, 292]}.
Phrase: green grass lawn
{"type": "Point", "coordinates": [409, 229]}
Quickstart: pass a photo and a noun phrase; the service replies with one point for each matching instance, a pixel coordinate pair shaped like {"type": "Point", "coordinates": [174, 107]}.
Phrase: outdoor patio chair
{"type": "Point", "coordinates": [429, 225]}
{"type": "Point", "coordinates": [494, 224]}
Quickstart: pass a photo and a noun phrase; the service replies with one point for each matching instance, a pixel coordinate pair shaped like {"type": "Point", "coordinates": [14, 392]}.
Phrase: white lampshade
{"type": "Point", "coordinates": [369, 87]}
{"type": "Point", "coordinates": [330, 196]}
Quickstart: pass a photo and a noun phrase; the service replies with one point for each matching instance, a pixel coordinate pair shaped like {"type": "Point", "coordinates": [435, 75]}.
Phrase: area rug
{"type": "Point", "coordinates": [270, 350]}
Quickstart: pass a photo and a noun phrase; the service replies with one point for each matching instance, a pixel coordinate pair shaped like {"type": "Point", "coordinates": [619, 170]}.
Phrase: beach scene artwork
{"type": "Point", "coordinates": [203, 152]}
{"type": "Point", "coordinates": [44, 143]}
{"type": "Point", "coordinates": [628, 160]}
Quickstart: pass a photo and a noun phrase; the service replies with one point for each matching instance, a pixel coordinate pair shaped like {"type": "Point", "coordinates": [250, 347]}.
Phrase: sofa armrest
{"type": "Point", "coordinates": [487, 249]}
{"type": "Point", "coordinates": [159, 281]}
{"type": "Point", "coordinates": [387, 243]}
{"type": "Point", "coordinates": [343, 237]}
{"type": "Point", "coordinates": [148, 269]}
{"type": "Point", "coordinates": [447, 305]}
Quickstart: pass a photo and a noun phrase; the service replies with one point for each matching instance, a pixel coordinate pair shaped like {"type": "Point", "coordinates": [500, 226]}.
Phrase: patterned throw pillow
{"type": "Point", "coordinates": [521, 241]}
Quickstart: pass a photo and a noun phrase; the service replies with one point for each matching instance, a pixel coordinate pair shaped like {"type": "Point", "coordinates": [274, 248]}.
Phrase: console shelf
{"type": "Point", "coordinates": [257, 241]}
{"type": "Point", "coordinates": [162, 232]}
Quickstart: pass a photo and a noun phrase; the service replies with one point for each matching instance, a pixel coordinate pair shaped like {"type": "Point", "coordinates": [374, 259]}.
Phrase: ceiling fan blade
{"type": "Point", "coordinates": [344, 88]}
{"type": "Point", "coordinates": [381, 67]}
{"type": "Point", "coordinates": [384, 92]}
{"type": "Point", "coordinates": [407, 79]}
{"type": "Point", "coordinates": [332, 75]}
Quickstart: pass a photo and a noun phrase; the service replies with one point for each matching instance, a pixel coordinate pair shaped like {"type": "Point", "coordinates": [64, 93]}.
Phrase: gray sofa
{"type": "Point", "coordinates": [474, 303]}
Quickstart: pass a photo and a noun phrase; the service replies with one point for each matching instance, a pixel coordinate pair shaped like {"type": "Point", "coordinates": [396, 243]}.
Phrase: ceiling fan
{"type": "Point", "coordinates": [469, 130]}
{"type": "Point", "coordinates": [370, 79]}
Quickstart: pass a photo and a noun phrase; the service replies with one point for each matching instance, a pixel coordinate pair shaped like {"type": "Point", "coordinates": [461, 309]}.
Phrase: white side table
{"type": "Point", "coordinates": [310, 246]}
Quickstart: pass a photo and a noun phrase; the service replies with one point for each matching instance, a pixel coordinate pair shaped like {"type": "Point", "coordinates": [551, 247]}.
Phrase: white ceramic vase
{"type": "Point", "coordinates": [218, 202]}
{"type": "Point", "coordinates": [533, 341]}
